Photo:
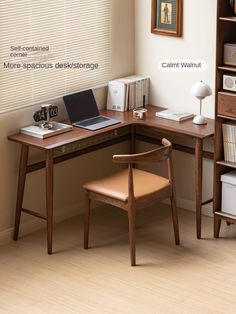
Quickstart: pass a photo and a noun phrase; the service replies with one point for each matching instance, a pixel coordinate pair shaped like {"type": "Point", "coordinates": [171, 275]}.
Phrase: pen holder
{"type": "Point", "coordinates": [139, 113]}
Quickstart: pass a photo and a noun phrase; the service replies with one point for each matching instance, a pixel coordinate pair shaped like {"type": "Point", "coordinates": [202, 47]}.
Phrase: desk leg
{"type": "Point", "coordinates": [198, 184]}
{"type": "Point", "coordinates": [49, 197]}
{"type": "Point", "coordinates": [20, 188]}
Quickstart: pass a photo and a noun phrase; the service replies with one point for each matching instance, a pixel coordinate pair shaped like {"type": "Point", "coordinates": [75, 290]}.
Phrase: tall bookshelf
{"type": "Point", "coordinates": [225, 106]}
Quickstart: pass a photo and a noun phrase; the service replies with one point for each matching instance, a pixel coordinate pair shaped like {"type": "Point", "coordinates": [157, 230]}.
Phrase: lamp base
{"type": "Point", "coordinates": [199, 120]}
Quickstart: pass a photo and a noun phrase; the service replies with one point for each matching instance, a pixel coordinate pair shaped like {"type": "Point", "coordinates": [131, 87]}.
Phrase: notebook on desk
{"type": "Point", "coordinates": [83, 111]}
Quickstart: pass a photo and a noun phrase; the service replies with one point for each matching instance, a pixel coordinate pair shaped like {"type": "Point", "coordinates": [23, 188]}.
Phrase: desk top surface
{"type": "Point", "coordinates": [184, 128]}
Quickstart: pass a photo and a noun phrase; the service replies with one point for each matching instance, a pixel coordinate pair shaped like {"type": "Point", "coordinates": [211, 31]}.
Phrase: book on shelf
{"type": "Point", "coordinates": [174, 115]}
{"type": "Point", "coordinates": [37, 131]}
{"type": "Point", "coordinates": [127, 93]}
{"type": "Point", "coordinates": [229, 141]}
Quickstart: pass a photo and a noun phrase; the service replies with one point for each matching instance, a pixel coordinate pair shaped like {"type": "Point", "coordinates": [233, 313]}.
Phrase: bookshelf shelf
{"type": "Point", "coordinates": [226, 93]}
{"type": "Point", "coordinates": [227, 68]}
{"type": "Point", "coordinates": [228, 19]}
{"type": "Point", "coordinates": [226, 216]}
{"type": "Point", "coordinates": [226, 164]}
{"type": "Point", "coordinates": [226, 117]}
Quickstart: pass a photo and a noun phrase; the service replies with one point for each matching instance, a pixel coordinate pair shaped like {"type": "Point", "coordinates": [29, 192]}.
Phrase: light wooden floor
{"type": "Point", "coordinates": [197, 277]}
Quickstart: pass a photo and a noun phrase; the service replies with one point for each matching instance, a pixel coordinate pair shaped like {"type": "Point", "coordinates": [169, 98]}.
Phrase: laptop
{"type": "Point", "coordinates": [83, 111]}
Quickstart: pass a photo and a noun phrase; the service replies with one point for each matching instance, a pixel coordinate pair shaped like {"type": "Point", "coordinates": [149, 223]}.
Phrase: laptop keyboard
{"type": "Point", "coordinates": [92, 121]}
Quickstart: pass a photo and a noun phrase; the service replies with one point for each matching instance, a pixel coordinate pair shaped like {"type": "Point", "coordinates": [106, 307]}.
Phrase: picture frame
{"type": "Point", "coordinates": [167, 17]}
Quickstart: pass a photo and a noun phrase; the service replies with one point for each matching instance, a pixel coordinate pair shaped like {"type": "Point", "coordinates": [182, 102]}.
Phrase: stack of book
{"type": "Point", "coordinates": [128, 93]}
{"type": "Point", "coordinates": [37, 131]}
{"type": "Point", "coordinates": [229, 139]}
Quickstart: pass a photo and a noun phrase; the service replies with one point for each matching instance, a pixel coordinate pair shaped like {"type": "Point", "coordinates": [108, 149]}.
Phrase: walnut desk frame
{"type": "Point", "coordinates": [128, 129]}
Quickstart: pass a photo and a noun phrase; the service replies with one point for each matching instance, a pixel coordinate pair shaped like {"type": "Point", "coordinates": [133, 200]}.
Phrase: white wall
{"type": "Point", "coordinates": [122, 38]}
{"type": "Point", "coordinates": [69, 175]}
{"type": "Point", "coordinates": [171, 90]}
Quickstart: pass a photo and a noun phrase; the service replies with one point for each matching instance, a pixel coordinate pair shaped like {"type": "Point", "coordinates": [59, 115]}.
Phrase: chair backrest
{"type": "Point", "coordinates": [157, 155]}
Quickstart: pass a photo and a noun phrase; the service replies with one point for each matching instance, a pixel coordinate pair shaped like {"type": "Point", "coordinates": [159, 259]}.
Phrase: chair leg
{"type": "Point", "coordinates": [175, 219]}
{"type": "Point", "coordinates": [132, 235]}
{"type": "Point", "coordinates": [86, 221]}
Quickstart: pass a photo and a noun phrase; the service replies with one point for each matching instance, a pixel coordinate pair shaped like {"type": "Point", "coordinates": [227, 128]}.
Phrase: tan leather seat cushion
{"type": "Point", "coordinates": [116, 185]}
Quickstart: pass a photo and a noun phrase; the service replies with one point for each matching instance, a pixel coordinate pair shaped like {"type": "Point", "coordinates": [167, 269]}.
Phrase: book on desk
{"type": "Point", "coordinates": [174, 115]}
{"type": "Point", "coordinates": [37, 131]}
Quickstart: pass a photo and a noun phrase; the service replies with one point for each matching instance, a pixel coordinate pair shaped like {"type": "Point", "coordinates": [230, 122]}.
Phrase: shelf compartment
{"type": "Point", "coordinates": [228, 19]}
{"type": "Point", "coordinates": [224, 163]}
{"type": "Point", "coordinates": [226, 104]}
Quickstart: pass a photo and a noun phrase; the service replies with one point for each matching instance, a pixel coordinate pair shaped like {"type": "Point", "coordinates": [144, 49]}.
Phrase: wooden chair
{"type": "Point", "coordinates": [132, 189]}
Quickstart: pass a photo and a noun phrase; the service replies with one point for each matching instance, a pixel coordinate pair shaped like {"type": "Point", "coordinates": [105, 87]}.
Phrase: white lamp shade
{"type": "Point", "coordinates": [201, 90]}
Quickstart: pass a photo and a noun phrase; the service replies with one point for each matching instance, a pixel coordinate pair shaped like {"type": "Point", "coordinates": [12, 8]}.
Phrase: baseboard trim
{"type": "Point", "coordinates": [66, 213]}
{"type": "Point", "coordinates": [37, 224]}
{"type": "Point", "coordinates": [207, 210]}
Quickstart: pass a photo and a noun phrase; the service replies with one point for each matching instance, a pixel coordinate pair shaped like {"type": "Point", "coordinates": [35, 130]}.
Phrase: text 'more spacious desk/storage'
{"type": "Point", "coordinates": [80, 141]}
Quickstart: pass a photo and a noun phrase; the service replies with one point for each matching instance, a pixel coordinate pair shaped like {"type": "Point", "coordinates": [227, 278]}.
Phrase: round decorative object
{"type": "Point", "coordinates": [139, 113]}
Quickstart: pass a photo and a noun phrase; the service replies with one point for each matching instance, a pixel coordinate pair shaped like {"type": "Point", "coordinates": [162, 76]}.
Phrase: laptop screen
{"type": "Point", "coordinates": [81, 106]}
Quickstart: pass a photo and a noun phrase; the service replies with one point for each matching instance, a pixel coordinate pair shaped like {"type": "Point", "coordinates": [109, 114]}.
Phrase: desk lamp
{"type": "Point", "coordinates": [200, 90]}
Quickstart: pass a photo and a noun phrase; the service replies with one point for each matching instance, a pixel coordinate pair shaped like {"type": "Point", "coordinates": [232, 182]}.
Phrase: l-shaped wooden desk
{"type": "Point", "coordinates": [80, 141]}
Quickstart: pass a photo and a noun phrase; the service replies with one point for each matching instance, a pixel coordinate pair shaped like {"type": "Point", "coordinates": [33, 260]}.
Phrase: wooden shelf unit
{"type": "Point", "coordinates": [225, 107]}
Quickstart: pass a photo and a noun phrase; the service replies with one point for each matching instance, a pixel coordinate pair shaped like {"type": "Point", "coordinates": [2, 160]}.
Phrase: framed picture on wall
{"type": "Point", "coordinates": [167, 17]}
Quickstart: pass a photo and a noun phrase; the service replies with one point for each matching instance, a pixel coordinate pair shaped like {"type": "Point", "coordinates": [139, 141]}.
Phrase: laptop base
{"type": "Point", "coordinates": [96, 126]}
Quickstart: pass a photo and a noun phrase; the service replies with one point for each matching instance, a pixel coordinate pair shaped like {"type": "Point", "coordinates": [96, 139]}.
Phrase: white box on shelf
{"type": "Point", "coordinates": [228, 202]}
{"type": "Point", "coordinates": [229, 82]}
